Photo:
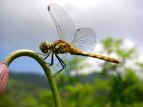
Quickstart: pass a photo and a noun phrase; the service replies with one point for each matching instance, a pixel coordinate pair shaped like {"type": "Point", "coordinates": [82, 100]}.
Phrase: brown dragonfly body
{"type": "Point", "coordinates": [61, 47]}
{"type": "Point", "coordinates": [74, 41]}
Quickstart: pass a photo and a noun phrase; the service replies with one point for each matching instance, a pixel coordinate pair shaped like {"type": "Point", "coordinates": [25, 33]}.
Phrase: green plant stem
{"type": "Point", "coordinates": [43, 64]}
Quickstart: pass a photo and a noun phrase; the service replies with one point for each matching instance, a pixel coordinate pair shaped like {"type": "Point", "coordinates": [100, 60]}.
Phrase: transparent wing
{"type": "Point", "coordinates": [64, 24]}
{"type": "Point", "coordinates": [84, 39]}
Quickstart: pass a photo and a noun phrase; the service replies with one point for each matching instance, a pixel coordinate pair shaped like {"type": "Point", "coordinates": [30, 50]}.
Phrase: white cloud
{"type": "Point", "coordinates": [94, 64]}
{"type": "Point", "coordinates": [128, 43]}
{"type": "Point", "coordinates": [25, 23]}
{"type": "Point", "coordinates": [29, 20]}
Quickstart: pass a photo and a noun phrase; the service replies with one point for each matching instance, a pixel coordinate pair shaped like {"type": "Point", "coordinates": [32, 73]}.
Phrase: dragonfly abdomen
{"type": "Point", "coordinates": [75, 51]}
{"type": "Point", "coordinates": [106, 58]}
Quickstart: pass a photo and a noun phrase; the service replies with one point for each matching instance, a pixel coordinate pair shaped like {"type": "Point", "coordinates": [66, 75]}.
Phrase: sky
{"type": "Point", "coordinates": [24, 24]}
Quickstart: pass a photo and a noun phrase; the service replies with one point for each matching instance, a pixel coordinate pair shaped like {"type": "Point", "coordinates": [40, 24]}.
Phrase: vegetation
{"type": "Point", "coordinates": [112, 86]}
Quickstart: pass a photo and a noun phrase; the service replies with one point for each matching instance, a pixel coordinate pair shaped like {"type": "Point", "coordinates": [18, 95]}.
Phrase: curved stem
{"type": "Point", "coordinates": [43, 64]}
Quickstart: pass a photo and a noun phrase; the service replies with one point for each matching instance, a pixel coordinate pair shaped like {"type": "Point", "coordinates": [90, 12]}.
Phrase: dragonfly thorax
{"type": "Point", "coordinates": [45, 47]}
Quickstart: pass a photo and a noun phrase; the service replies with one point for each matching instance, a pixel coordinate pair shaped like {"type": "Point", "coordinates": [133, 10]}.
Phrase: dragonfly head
{"type": "Point", "coordinates": [45, 47]}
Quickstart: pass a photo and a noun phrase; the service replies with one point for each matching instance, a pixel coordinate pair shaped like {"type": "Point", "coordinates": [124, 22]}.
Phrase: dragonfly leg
{"type": "Point", "coordinates": [52, 60]}
{"type": "Point", "coordinates": [41, 54]}
{"type": "Point", "coordinates": [47, 55]}
{"type": "Point", "coordinates": [61, 62]}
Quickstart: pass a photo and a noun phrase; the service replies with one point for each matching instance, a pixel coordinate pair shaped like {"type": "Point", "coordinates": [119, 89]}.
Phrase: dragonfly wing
{"type": "Point", "coordinates": [64, 24]}
{"type": "Point", "coordinates": [84, 39]}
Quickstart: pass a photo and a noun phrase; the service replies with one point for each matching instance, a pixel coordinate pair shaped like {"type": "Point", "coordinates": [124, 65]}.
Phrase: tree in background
{"type": "Point", "coordinates": [114, 86]}
{"type": "Point", "coordinates": [117, 85]}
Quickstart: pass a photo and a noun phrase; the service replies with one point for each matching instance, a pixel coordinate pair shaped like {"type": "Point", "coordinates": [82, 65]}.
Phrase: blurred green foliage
{"type": "Point", "coordinates": [114, 86]}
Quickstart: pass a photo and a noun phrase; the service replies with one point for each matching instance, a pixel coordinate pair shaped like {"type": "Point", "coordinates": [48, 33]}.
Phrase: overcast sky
{"type": "Point", "coordinates": [25, 23]}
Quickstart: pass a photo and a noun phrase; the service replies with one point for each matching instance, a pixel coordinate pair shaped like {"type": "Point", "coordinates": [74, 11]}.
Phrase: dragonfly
{"type": "Point", "coordinates": [79, 41]}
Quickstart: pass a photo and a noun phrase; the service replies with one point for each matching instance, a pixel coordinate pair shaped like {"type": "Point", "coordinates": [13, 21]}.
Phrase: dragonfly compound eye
{"type": "Point", "coordinates": [45, 47]}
